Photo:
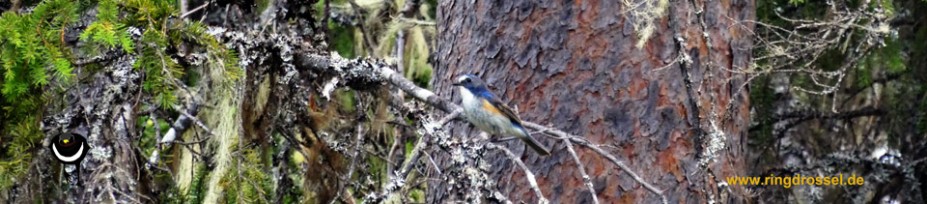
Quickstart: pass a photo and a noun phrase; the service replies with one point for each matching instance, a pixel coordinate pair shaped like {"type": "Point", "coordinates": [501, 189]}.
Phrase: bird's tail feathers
{"type": "Point", "coordinates": [536, 145]}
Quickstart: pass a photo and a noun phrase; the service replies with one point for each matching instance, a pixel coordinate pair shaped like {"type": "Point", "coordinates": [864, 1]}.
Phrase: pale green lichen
{"type": "Point", "coordinates": [644, 15]}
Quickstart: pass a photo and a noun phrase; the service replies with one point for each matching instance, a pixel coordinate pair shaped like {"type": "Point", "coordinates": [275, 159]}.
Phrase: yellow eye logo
{"type": "Point", "coordinates": [66, 141]}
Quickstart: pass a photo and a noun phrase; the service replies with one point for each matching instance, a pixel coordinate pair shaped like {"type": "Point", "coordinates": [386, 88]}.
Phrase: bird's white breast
{"type": "Point", "coordinates": [468, 100]}
{"type": "Point", "coordinates": [482, 119]}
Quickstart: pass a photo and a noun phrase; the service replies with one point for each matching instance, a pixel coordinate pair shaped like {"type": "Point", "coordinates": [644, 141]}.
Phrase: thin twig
{"type": "Point", "coordinates": [196, 121]}
{"type": "Point", "coordinates": [402, 176]}
{"type": "Point", "coordinates": [582, 170]}
{"type": "Point", "coordinates": [582, 142]}
{"type": "Point", "coordinates": [195, 9]}
{"type": "Point", "coordinates": [528, 174]}
{"type": "Point", "coordinates": [359, 135]}
{"type": "Point", "coordinates": [368, 43]}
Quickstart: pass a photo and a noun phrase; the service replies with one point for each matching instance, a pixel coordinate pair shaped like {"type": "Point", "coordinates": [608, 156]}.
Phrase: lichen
{"type": "Point", "coordinates": [643, 15]}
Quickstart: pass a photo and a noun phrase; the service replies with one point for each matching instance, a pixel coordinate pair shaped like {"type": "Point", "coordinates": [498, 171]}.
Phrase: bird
{"type": "Point", "coordinates": [69, 148]}
{"type": "Point", "coordinates": [488, 113]}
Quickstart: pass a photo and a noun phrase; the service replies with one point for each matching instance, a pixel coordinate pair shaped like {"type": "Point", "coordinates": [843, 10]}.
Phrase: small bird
{"type": "Point", "coordinates": [485, 111]}
{"type": "Point", "coordinates": [69, 148]}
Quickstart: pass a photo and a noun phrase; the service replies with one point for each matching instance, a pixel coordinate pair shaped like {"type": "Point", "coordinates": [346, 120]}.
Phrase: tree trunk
{"type": "Point", "coordinates": [652, 84]}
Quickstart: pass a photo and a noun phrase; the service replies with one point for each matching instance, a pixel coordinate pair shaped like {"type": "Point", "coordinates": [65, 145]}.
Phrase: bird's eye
{"type": "Point", "coordinates": [467, 80]}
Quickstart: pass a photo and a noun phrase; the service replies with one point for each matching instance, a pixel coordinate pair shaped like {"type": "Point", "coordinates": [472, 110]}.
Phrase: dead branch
{"type": "Point", "coordinates": [585, 143]}
{"type": "Point", "coordinates": [402, 177]}
{"type": "Point", "coordinates": [582, 170]}
{"type": "Point", "coordinates": [528, 174]}
{"type": "Point", "coordinates": [359, 12]}
{"type": "Point", "coordinates": [797, 45]}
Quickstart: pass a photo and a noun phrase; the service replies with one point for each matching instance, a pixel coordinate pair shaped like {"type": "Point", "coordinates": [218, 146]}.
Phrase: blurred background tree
{"type": "Point", "coordinates": [837, 87]}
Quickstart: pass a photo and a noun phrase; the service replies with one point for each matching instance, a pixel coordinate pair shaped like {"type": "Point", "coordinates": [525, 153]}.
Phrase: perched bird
{"type": "Point", "coordinates": [69, 148]}
{"type": "Point", "coordinates": [485, 111]}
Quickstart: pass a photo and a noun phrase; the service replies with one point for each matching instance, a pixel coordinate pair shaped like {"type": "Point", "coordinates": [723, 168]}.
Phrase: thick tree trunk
{"type": "Point", "coordinates": [670, 108]}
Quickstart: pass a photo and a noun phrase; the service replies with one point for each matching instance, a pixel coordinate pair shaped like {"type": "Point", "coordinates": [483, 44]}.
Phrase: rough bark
{"type": "Point", "coordinates": [672, 108]}
{"type": "Point", "coordinates": [104, 111]}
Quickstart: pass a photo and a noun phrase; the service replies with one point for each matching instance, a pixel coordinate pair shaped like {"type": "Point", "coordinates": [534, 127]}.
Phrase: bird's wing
{"type": "Point", "coordinates": [496, 106]}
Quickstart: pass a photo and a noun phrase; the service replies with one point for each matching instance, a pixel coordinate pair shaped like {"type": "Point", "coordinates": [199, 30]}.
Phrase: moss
{"type": "Point", "coordinates": [224, 117]}
{"type": "Point", "coordinates": [342, 40]}
{"type": "Point", "coordinates": [346, 98]}
{"type": "Point", "coordinates": [644, 18]}
{"type": "Point", "coordinates": [417, 196]}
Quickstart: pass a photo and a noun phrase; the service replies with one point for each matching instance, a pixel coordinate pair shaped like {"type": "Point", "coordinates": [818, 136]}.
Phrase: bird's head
{"type": "Point", "coordinates": [471, 82]}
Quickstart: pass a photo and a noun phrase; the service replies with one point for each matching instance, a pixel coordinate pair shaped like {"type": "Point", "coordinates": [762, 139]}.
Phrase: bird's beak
{"type": "Point", "coordinates": [456, 84]}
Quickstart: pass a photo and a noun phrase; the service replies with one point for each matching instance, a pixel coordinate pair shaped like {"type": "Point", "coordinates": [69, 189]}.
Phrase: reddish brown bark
{"type": "Point", "coordinates": [575, 66]}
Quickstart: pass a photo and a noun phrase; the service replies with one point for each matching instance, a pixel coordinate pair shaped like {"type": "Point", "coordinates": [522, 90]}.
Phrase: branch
{"type": "Point", "coordinates": [178, 127]}
{"type": "Point", "coordinates": [804, 115]}
{"type": "Point", "coordinates": [582, 170]}
{"type": "Point", "coordinates": [411, 6]}
{"type": "Point", "coordinates": [359, 12]}
{"type": "Point", "coordinates": [361, 72]}
{"type": "Point", "coordinates": [528, 174]}
{"type": "Point", "coordinates": [187, 13]}
{"type": "Point", "coordinates": [402, 176]}
{"type": "Point", "coordinates": [359, 133]}
{"type": "Point", "coordinates": [585, 143]}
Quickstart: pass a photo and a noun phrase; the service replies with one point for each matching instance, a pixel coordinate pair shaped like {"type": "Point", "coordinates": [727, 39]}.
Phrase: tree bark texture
{"type": "Point", "coordinates": [673, 109]}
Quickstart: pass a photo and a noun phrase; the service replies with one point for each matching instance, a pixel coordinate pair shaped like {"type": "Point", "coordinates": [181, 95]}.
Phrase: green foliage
{"type": "Point", "coordinates": [161, 33]}
{"type": "Point", "coordinates": [32, 55]}
{"type": "Point", "coordinates": [762, 97]}
{"type": "Point", "coordinates": [417, 195]}
{"type": "Point", "coordinates": [30, 46]}
{"type": "Point", "coordinates": [248, 183]}
{"type": "Point", "coordinates": [198, 187]}
{"type": "Point", "coordinates": [26, 136]}
{"type": "Point", "coordinates": [346, 98]}
{"type": "Point", "coordinates": [107, 31]}
{"type": "Point", "coordinates": [148, 137]}
{"type": "Point", "coordinates": [171, 195]}
{"type": "Point", "coordinates": [888, 59]}
{"type": "Point", "coordinates": [342, 40]}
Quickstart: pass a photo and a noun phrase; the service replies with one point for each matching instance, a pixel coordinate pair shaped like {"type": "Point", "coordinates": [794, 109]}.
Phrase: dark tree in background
{"type": "Point", "coordinates": [672, 108]}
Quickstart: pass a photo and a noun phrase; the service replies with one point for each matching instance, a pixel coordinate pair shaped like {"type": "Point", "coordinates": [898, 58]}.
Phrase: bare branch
{"type": "Point", "coordinates": [528, 174]}
{"type": "Point", "coordinates": [357, 147]}
{"type": "Point", "coordinates": [582, 170]}
{"type": "Point", "coordinates": [359, 12]}
{"type": "Point", "coordinates": [585, 143]}
{"type": "Point", "coordinates": [402, 177]}
{"type": "Point", "coordinates": [194, 10]}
